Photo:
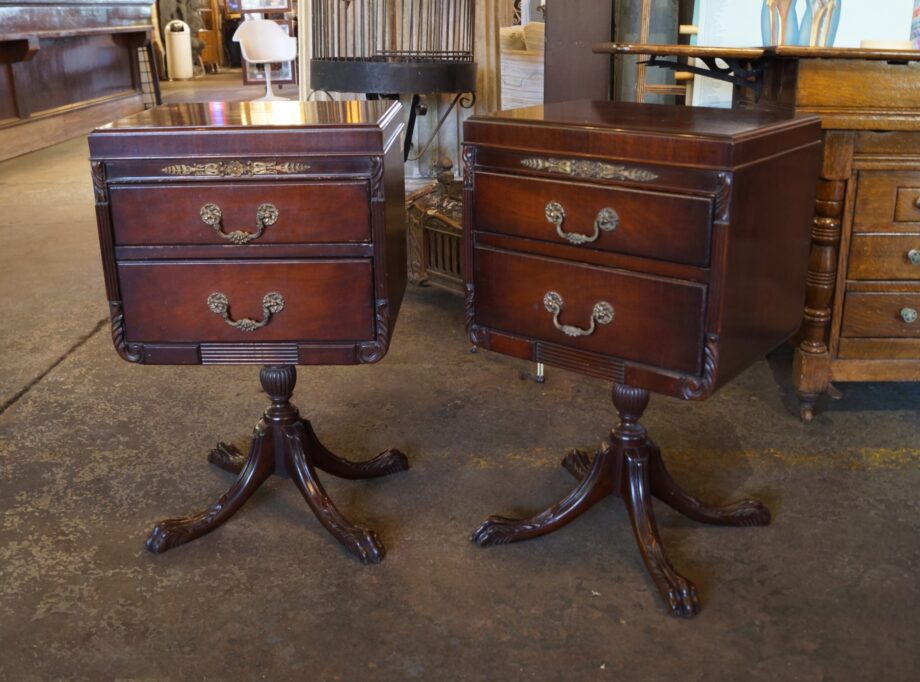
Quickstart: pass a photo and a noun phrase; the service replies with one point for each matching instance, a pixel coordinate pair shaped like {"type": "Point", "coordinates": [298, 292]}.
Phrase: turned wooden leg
{"type": "Point", "coordinates": [499, 530]}
{"type": "Point", "coordinates": [741, 513]}
{"type": "Point", "coordinates": [678, 592]}
{"type": "Point", "coordinates": [387, 462]}
{"type": "Point", "coordinates": [259, 466]}
{"type": "Point", "coordinates": [361, 542]}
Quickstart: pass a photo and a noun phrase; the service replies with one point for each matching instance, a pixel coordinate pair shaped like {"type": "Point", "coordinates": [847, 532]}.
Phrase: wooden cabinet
{"type": "Point", "coordinates": [661, 248]}
{"type": "Point", "coordinates": [240, 233]}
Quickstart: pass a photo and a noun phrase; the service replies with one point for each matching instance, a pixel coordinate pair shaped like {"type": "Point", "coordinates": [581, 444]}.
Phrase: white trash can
{"type": "Point", "coordinates": [178, 50]}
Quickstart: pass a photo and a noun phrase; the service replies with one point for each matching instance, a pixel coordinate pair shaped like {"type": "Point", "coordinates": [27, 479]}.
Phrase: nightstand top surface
{"type": "Point", "coordinates": [256, 115]}
{"type": "Point", "coordinates": [630, 117]}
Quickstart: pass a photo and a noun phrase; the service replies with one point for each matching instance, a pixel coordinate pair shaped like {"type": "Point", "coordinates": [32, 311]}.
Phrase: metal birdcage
{"type": "Point", "coordinates": [392, 47]}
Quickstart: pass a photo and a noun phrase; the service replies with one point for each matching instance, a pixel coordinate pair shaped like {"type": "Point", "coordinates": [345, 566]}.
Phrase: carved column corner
{"type": "Point", "coordinates": [100, 190]}
{"type": "Point", "coordinates": [476, 334]}
{"type": "Point", "coordinates": [723, 198]}
{"type": "Point", "coordinates": [377, 193]}
{"type": "Point", "coordinates": [132, 352]}
{"type": "Point", "coordinates": [469, 161]}
{"type": "Point", "coordinates": [373, 351]}
{"type": "Point", "coordinates": [701, 387]}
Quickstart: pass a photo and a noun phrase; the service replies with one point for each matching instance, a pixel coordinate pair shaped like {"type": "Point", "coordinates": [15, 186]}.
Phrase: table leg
{"type": "Point", "coordinates": [388, 462]}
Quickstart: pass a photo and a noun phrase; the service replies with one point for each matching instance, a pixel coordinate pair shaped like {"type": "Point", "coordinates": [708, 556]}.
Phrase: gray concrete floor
{"type": "Point", "coordinates": [93, 451]}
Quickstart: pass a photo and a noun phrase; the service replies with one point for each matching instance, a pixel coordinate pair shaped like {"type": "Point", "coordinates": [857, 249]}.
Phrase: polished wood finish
{"type": "Point", "coordinates": [866, 216]}
{"type": "Point", "coordinates": [257, 234]}
{"type": "Point", "coordinates": [702, 275]}
{"type": "Point", "coordinates": [67, 68]}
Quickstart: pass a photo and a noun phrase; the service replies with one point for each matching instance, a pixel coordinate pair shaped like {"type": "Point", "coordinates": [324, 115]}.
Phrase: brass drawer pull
{"type": "Point", "coordinates": [607, 220]}
{"type": "Point", "coordinates": [909, 315]}
{"type": "Point", "coordinates": [914, 256]}
{"type": "Point", "coordinates": [602, 313]}
{"type": "Point", "coordinates": [266, 214]}
{"type": "Point", "coordinates": [272, 303]}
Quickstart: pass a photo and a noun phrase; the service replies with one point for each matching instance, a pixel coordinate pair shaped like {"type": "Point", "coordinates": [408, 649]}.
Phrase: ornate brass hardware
{"type": "Point", "coordinates": [272, 303]}
{"type": "Point", "coordinates": [909, 315]}
{"type": "Point", "coordinates": [236, 169]}
{"type": "Point", "coordinates": [581, 168]}
{"type": "Point", "coordinates": [266, 215]}
{"type": "Point", "coordinates": [607, 220]}
{"type": "Point", "coordinates": [602, 313]}
{"type": "Point", "coordinates": [914, 256]}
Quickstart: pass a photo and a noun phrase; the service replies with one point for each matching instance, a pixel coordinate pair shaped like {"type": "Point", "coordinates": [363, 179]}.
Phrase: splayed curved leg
{"type": "Point", "coordinates": [361, 542]}
{"type": "Point", "coordinates": [741, 513]}
{"type": "Point", "coordinates": [174, 532]}
{"type": "Point", "coordinates": [678, 592]}
{"type": "Point", "coordinates": [500, 530]}
{"type": "Point", "coordinates": [227, 457]}
{"type": "Point", "coordinates": [387, 462]}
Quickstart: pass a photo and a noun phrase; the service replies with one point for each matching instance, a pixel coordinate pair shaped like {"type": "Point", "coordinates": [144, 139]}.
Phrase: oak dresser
{"type": "Point", "coordinates": [257, 233]}
{"type": "Point", "coordinates": [660, 248]}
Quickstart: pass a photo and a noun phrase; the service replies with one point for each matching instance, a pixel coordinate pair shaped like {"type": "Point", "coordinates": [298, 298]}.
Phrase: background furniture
{"type": "Point", "coordinates": [651, 246]}
{"type": "Point", "coordinates": [238, 233]}
{"type": "Point", "coordinates": [266, 42]}
{"type": "Point", "coordinates": [863, 286]}
{"type": "Point", "coordinates": [64, 69]}
{"type": "Point", "coordinates": [434, 232]}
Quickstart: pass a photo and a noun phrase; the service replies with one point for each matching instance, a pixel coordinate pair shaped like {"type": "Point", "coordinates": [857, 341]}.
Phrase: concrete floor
{"type": "Point", "coordinates": [93, 451]}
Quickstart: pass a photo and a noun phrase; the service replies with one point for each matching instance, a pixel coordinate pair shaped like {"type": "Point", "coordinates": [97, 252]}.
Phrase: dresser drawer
{"type": "Point", "coordinates": [208, 213]}
{"type": "Point", "coordinates": [889, 314]}
{"type": "Point", "coordinates": [884, 256]}
{"type": "Point", "coordinates": [652, 224]}
{"type": "Point", "coordinates": [887, 201]}
{"type": "Point", "coordinates": [651, 320]}
{"type": "Point", "coordinates": [323, 300]}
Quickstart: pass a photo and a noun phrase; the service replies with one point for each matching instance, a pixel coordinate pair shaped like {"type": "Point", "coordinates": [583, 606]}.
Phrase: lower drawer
{"type": "Point", "coordinates": [652, 320]}
{"type": "Point", "coordinates": [189, 301]}
{"type": "Point", "coordinates": [888, 314]}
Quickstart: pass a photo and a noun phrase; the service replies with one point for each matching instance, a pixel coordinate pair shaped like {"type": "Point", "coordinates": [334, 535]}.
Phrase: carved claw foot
{"type": "Point", "coordinates": [227, 457]}
{"type": "Point", "coordinates": [365, 545]}
{"type": "Point", "coordinates": [168, 534]}
{"type": "Point", "coordinates": [681, 597]}
{"type": "Point", "coordinates": [577, 463]}
{"type": "Point", "coordinates": [496, 530]}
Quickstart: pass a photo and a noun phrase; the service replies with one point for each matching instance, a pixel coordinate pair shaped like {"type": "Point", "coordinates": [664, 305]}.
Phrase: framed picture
{"type": "Point", "coordinates": [263, 6]}
{"type": "Point", "coordinates": [282, 72]}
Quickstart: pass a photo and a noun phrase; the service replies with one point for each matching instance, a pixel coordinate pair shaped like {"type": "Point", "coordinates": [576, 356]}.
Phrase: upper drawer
{"type": "Point", "coordinates": [229, 213]}
{"type": "Point", "coordinates": [663, 226]}
{"type": "Point", "coordinates": [651, 320]}
{"type": "Point", "coordinates": [884, 256]}
{"type": "Point", "coordinates": [189, 301]}
{"type": "Point", "coordinates": [887, 201]}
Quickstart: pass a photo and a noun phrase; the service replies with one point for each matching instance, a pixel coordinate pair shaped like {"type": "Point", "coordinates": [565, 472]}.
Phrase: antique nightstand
{"type": "Point", "coordinates": [257, 233]}
{"type": "Point", "coordinates": [661, 248]}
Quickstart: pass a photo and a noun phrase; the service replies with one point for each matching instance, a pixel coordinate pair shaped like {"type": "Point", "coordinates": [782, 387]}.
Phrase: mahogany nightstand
{"type": "Point", "coordinates": [257, 233]}
{"type": "Point", "coordinates": [660, 248]}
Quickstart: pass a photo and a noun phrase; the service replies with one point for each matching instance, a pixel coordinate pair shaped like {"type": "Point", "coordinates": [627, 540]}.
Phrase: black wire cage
{"type": "Point", "coordinates": [393, 46]}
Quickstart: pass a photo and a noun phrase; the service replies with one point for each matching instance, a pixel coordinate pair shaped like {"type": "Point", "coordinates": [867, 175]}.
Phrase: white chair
{"type": "Point", "coordinates": [265, 42]}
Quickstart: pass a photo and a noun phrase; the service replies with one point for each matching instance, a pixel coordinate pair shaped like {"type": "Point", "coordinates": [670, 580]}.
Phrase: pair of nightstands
{"type": "Point", "coordinates": [660, 248]}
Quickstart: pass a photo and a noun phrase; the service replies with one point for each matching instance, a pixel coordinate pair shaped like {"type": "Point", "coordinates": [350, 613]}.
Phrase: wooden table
{"type": "Point", "coordinates": [860, 320]}
{"type": "Point", "coordinates": [660, 248]}
{"type": "Point", "coordinates": [257, 233]}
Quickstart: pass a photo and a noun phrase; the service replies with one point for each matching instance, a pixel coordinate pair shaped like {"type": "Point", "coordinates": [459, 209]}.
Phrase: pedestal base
{"type": "Point", "coordinates": [284, 444]}
{"type": "Point", "coordinates": [632, 468]}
